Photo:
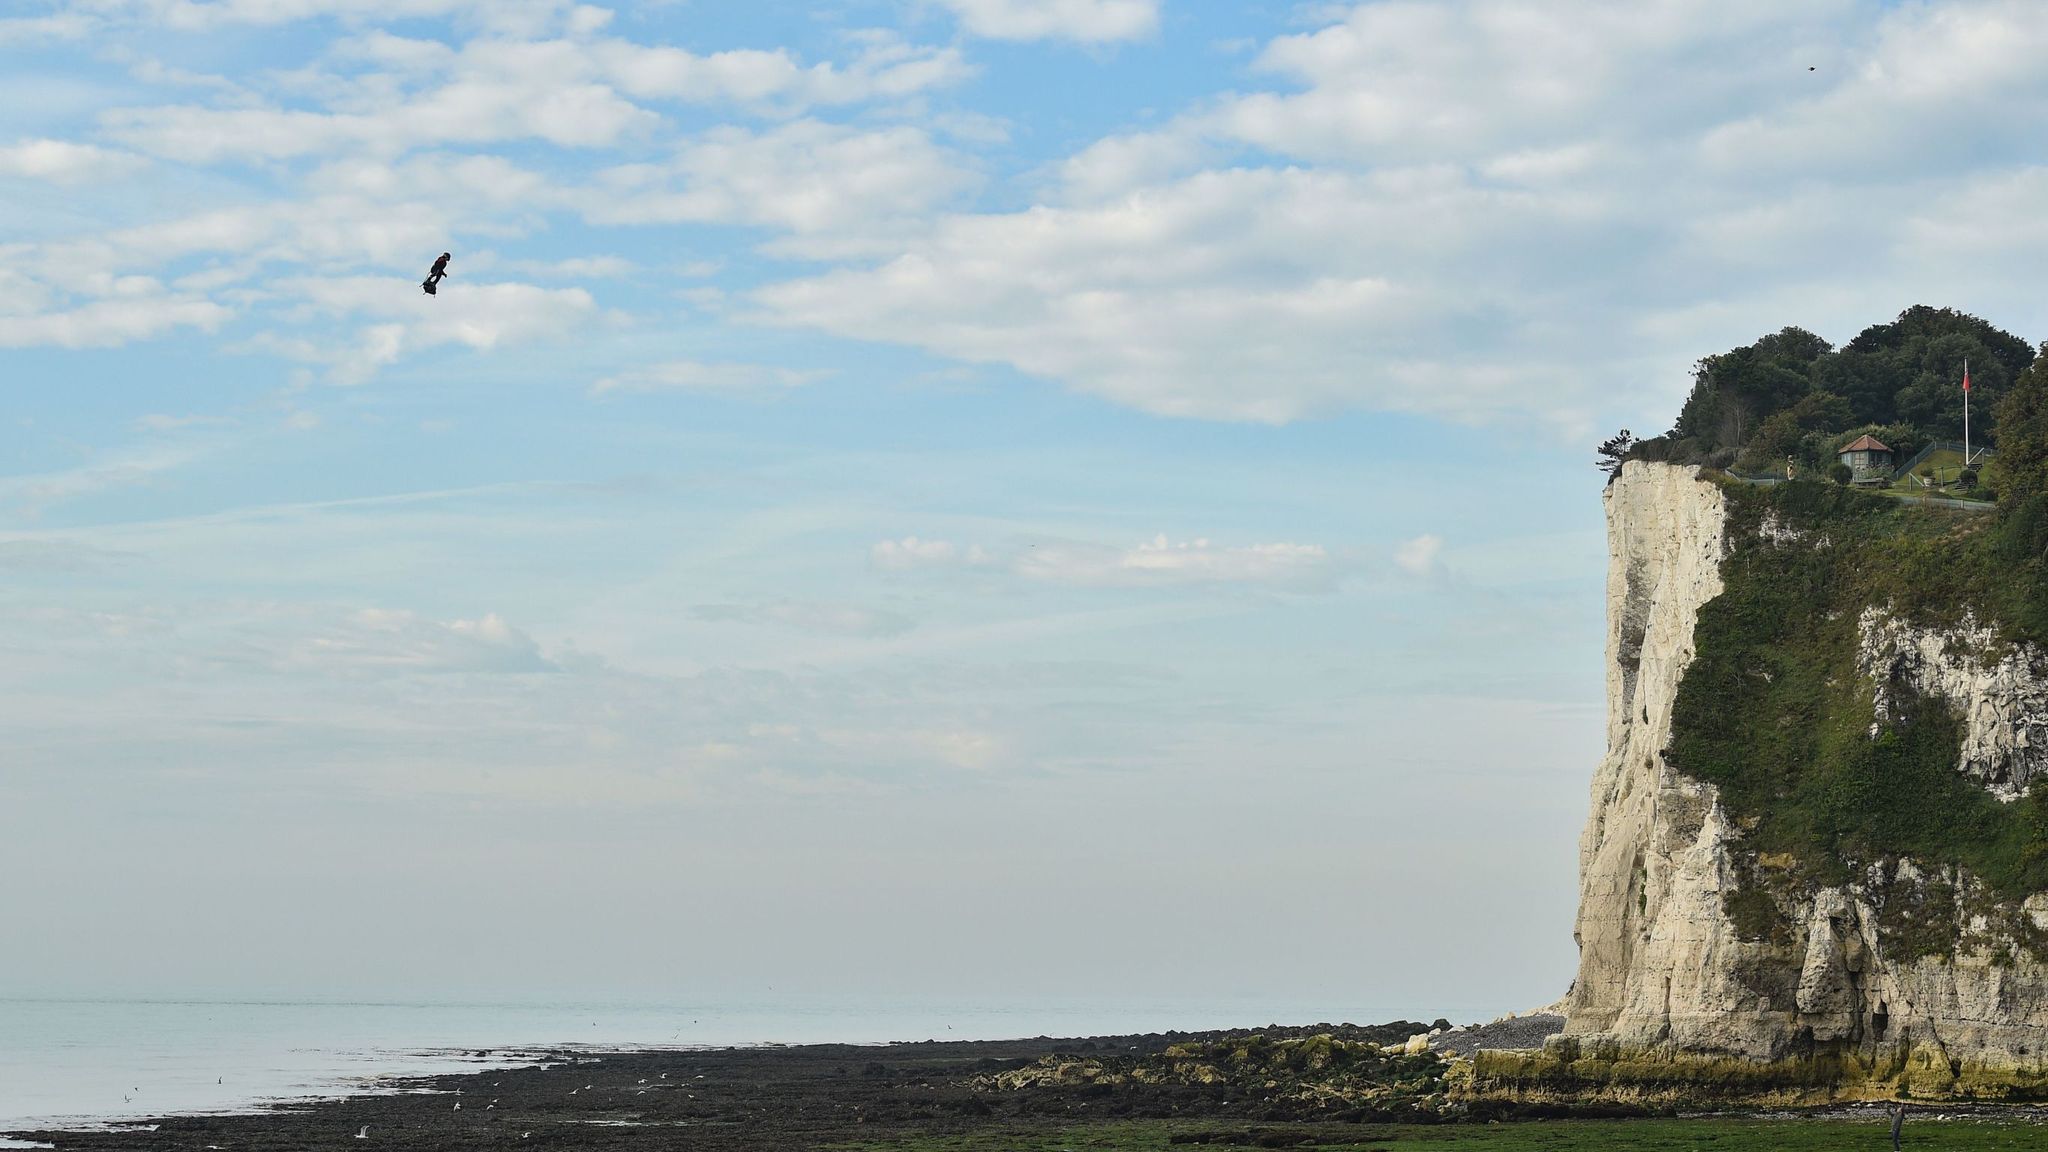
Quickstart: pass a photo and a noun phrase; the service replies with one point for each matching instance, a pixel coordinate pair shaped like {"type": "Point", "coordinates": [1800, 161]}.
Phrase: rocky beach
{"type": "Point", "coordinates": [1295, 1085]}
{"type": "Point", "coordinates": [1323, 1086]}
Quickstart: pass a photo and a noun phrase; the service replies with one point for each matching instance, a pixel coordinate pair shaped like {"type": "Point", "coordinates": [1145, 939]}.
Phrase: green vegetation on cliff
{"type": "Point", "coordinates": [1775, 712]}
{"type": "Point", "coordinates": [2020, 473]}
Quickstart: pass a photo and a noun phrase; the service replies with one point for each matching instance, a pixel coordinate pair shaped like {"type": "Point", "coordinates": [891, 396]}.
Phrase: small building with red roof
{"type": "Point", "coordinates": [1868, 458]}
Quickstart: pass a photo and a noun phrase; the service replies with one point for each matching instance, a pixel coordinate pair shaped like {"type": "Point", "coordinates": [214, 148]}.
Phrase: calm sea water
{"type": "Point", "coordinates": [67, 1062]}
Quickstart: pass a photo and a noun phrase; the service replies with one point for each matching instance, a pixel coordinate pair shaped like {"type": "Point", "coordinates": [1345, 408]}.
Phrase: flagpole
{"type": "Point", "coordinates": [1966, 412]}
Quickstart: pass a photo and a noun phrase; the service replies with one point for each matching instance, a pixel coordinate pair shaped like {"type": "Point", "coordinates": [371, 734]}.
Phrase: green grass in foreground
{"type": "Point", "coordinates": [1721, 1135]}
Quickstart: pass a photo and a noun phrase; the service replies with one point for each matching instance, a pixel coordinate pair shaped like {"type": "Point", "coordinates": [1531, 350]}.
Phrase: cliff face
{"type": "Point", "coordinates": [1650, 867]}
{"type": "Point", "coordinates": [1896, 974]}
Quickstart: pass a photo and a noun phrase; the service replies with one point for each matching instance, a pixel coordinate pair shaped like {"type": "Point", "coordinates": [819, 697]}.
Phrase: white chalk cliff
{"type": "Point", "coordinates": [1663, 972]}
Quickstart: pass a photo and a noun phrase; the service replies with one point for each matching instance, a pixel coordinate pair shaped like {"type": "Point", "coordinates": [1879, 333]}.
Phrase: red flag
{"type": "Point", "coordinates": [1966, 377]}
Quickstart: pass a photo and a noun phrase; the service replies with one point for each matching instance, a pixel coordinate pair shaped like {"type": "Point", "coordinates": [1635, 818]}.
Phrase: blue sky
{"type": "Point", "coordinates": [949, 478]}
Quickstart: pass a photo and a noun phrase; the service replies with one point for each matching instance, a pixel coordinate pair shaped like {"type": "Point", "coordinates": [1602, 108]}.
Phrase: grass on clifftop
{"type": "Point", "coordinates": [1774, 712]}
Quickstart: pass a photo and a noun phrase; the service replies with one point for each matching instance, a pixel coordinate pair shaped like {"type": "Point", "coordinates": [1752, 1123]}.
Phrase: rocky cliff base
{"type": "Point", "coordinates": [1582, 1070]}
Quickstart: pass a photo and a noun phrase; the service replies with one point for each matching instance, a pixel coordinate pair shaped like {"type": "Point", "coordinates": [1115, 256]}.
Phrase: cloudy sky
{"type": "Point", "coordinates": [1048, 498]}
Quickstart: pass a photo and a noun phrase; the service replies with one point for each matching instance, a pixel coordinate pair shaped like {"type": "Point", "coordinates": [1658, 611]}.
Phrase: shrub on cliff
{"type": "Point", "coordinates": [2020, 470]}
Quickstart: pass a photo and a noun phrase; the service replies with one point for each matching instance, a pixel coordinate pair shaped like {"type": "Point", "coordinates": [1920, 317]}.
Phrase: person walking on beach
{"type": "Point", "coordinates": [435, 275]}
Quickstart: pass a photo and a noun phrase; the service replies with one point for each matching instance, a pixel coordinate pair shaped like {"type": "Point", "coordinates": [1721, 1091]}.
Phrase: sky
{"type": "Point", "coordinates": [960, 498]}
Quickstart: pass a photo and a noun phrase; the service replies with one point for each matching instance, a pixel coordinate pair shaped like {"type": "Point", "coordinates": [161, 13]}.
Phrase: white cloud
{"type": "Point", "coordinates": [164, 422]}
{"type": "Point", "coordinates": [567, 92]}
{"type": "Point", "coordinates": [115, 470]}
{"type": "Point", "coordinates": [364, 213]}
{"type": "Point", "coordinates": [1419, 557]}
{"type": "Point", "coordinates": [382, 641]}
{"type": "Point", "coordinates": [695, 375]}
{"type": "Point", "coordinates": [911, 552]}
{"type": "Point", "coordinates": [1942, 84]}
{"type": "Point", "coordinates": [477, 111]}
{"type": "Point", "coordinates": [481, 317]}
{"type": "Point", "coordinates": [90, 291]}
{"type": "Point", "coordinates": [1157, 562]}
{"type": "Point", "coordinates": [834, 185]}
{"type": "Point", "coordinates": [515, 17]}
{"type": "Point", "coordinates": [63, 26]}
{"type": "Point", "coordinates": [886, 68]}
{"type": "Point", "coordinates": [1409, 81]}
{"type": "Point", "coordinates": [1118, 165]}
{"type": "Point", "coordinates": [578, 268]}
{"type": "Point", "coordinates": [106, 323]}
{"type": "Point", "coordinates": [1160, 561]}
{"type": "Point", "coordinates": [952, 747]}
{"type": "Point", "coordinates": [1089, 21]}
{"type": "Point", "coordinates": [1248, 295]}
{"type": "Point", "coordinates": [55, 554]}
{"type": "Point", "coordinates": [810, 616]}
{"type": "Point", "coordinates": [64, 162]}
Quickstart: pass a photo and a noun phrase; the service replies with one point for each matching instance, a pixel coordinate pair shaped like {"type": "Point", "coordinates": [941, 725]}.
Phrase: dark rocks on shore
{"type": "Point", "coordinates": [1515, 1032]}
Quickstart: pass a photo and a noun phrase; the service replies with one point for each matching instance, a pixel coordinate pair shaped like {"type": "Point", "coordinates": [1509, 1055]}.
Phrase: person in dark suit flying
{"type": "Point", "coordinates": [435, 275]}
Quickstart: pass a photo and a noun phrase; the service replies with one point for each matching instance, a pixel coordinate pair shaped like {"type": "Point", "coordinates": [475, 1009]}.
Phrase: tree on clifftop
{"type": "Point", "coordinates": [1734, 392]}
{"type": "Point", "coordinates": [1910, 371]}
{"type": "Point", "coordinates": [2020, 470]}
{"type": "Point", "coordinates": [1791, 394]}
{"type": "Point", "coordinates": [1613, 451]}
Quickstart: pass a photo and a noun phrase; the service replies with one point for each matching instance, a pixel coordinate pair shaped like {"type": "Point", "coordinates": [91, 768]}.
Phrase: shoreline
{"type": "Point", "coordinates": [77, 1061]}
{"type": "Point", "coordinates": [1032, 1093]}
{"type": "Point", "coordinates": [730, 1096]}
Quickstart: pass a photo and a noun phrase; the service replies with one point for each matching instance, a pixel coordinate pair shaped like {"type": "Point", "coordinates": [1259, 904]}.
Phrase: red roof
{"type": "Point", "coordinates": [1866, 444]}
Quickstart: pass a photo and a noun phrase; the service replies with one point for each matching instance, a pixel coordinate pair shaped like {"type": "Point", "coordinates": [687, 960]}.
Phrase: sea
{"type": "Point", "coordinates": [68, 1063]}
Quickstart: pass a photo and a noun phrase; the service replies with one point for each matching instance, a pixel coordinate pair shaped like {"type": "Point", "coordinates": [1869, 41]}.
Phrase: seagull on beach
{"type": "Point", "coordinates": [363, 1133]}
